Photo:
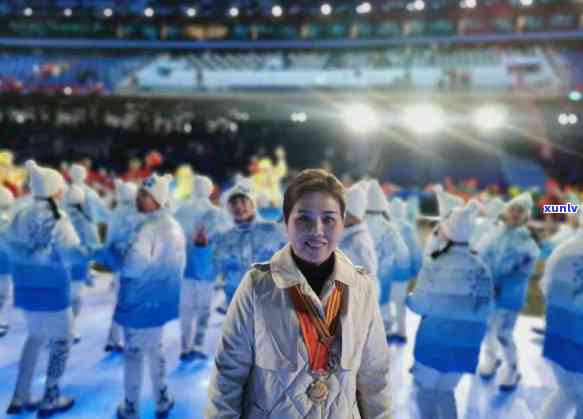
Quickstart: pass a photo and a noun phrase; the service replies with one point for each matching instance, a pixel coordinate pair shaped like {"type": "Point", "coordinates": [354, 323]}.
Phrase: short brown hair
{"type": "Point", "coordinates": [313, 180]}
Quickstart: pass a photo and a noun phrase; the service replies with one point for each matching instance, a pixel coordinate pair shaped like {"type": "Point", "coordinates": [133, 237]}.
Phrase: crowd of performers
{"type": "Point", "coordinates": [303, 335]}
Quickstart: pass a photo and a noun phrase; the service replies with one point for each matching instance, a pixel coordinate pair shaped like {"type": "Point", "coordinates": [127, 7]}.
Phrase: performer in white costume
{"type": "Point", "coordinates": [151, 268]}
{"type": "Point", "coordinates": [201, 222]}
{"type": "Point", "coordinates": [510, 252]}
{"type": "Point", "coordinates": [357, 242]}
{"type": "Point", "coordinates": [394, 261]}
{"type": "Point", "coordinates": [454, 295]}
{"type": "Point", "coordinates": [563, 346]}
{"type": "Point", "coordinates": [42, 245]}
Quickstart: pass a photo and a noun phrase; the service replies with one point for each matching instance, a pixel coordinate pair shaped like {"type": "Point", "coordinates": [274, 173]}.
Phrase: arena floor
{"type": "Point", "coordinates": [94, 378]}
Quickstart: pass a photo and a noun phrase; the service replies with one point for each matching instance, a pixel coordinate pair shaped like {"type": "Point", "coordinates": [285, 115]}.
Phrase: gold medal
{"type": "Point", "coordinates": [318, 391]}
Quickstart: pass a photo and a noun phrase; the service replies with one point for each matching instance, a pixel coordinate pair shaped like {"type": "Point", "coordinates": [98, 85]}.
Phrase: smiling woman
{"type": "Point", "coordinates": [304, 336]}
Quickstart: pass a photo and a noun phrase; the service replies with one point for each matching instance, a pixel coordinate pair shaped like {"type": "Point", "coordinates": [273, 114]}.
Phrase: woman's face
{"type": "Point", "coordinates": [315, 226]}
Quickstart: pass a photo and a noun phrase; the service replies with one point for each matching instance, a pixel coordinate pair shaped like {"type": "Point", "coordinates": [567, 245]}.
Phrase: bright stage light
{"type": "Point", "coordinates": [233, 12]}
{"type": "Point", "coordinates": [326, 9]}
{"type": "Point", "coordinates": [28, 11]}
{"type": "Point", "coordinates": [360, 118]}
{"type": "Point", "coordinates": [572, 118]}
{"type": "Point", "coordinates": [149, 12]}
{"type": "Point", "coordinates": [191, 12]}
{"type": "Point", "coordinates": [419, 5]}
{"type": "Point", "coordinates": [363, 8]}
{"type": "Point", "coordinates": [276, 11]}
{"type": "Point", "coordinates": [575, 96]}
{"type": "Point", "coordinates": [299, 117]}
{"type": "Point", "coordinates": [490, 117]}
{"type": "Point", "coordinates": [108, 12]}
{"type": "Point", "coordinates": [563, 119]}
{"type": "Point", "coordinates": [424, 119]}
{"type": "Point", "coordinates": [68, 12]}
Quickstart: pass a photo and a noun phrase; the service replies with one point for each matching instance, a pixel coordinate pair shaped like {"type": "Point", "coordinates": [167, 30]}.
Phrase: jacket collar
{"type": "Point", "coordinates": [286, 274]}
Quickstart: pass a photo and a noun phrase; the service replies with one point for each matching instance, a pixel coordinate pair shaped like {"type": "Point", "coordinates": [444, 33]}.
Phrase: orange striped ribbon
{"type": "Point", "coordinates": [318, 333]}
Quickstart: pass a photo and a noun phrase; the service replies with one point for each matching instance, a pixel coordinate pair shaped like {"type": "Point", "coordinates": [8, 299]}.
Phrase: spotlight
{"type": "Point", "coordinates": [233, 12]}
{"type": "Point", "coordinates": [191, 12]}
{"type": "Point", "coordinates": [276, 11]}
{"type": "Point", "coordinates": [424, 118]}
{"type": "Point", "coordinates": [67, 91]}
{"type": "Point", "coordinates": [563, 119]}
{"type": "Point", "coordinates": [68, 12]}
{"type": "Point", "coordinates": [490, 117]}
{"type": "Point", "coordinates": [326, 9]}
{"type": "Point", "coordinates": [149, 12]}
{"type": "Point", "coordinates": [575, 96]}
{"type": "Point", "coordinates": [363, 8]}
{"type": "Point", "coordinates": [28, 11]}
{"type": "Point", "coordinates": [299, 117]}
{"type": "Point", "coordinates": [419, 5]}
{"type": "Point", "coordinates": [572, 118]}
{"type": "Point", "coordinates": [107, 12]}
{"type": "Point", "coordinates": [360, 118]}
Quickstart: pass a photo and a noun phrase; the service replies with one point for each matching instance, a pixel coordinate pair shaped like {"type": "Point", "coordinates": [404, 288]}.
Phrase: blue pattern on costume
{"type": "Point", "coordinates": [454, 296]}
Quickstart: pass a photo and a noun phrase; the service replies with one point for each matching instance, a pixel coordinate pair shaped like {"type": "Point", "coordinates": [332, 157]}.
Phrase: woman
{"type": "Point", "coordinates": [454, 296]}
{"type": "Point", "coordinates": [277, 358]}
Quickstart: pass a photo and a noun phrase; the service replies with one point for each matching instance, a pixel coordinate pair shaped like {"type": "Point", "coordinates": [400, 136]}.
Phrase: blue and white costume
{"type": "Point", "coordinates": [393, 257]}
{"type": "Point", "coordinates": [563, 346]}
{"type": "Point", "coordinates": [357, 242]}
{"type": "Point", "coordinates": [454, 296]}
{"type": "Point", "coordinates": [487, 224]}
{"type": "Point", "coordinates": [88, 234]}
{"type": "Point", "coordinates": [198, 216]}
{"type": "Point", "coordinates": [93, 205]}
{"type": "Point", "coordinates": [243, 245]}
{"type": "Point", "coordinates": [446, 203]}
{"type": "Point", "coordinates": [6, 202]}
{"type": "Point", "coordinates": [124, 220]}
{"type": "Point", "coordinates": [43, 245]}
{"type": "Point", "coordinates": [151, 266]}
{"type": "Point", "coordinates": [510, 253]}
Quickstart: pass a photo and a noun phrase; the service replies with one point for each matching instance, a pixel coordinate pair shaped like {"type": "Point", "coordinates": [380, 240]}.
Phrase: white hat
{"type": "Point", "coordinates": [459, 225]}
{"type": "Point", "coordinates": [125, 191]}
{"type": "Point", "coordinates": [242, 187]}
{"type": "Point", "coordinates": [202, 186]}
{"type": "Point", "coordinates": [376, 197]}
{"type": "Point", "coordinates": [159, 188]}
{"type": "Point", "coordinates": [446, 202]}
{"type": "Point", "coordinates": [493, 208]}
{"type": "Point", "coordinates": [74, 195]}
{"type": "Point", "coordinates": [6, 197]}
{"type": "Point", "coordinates": [44, 182]}
{"type": "Point", "coordinates": [356, 201]}
{"type": "Point", "coordinates": [78, 173]}
{"type": "Point", "coordinates": [397, 208]}
{"type": "Point", "coordinates": [524, 201]}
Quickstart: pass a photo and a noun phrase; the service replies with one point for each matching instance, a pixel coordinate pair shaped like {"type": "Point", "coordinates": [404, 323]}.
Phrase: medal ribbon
{"type": "Point", "coordinates": [318, 333]}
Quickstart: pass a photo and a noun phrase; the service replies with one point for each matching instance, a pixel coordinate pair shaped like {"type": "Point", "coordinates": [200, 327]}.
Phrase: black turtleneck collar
{"type": "Point", "coordinates": [316, 275]}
